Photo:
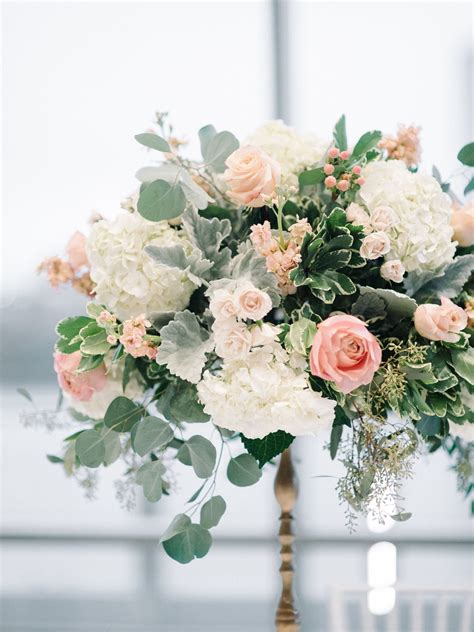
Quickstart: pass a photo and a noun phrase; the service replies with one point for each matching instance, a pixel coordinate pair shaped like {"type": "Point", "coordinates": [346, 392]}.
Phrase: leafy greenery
{"type": "Point", "coordinates": [243, 470]}
{"type": "Point", "coordinates": [90, 448]}
{"type": "Point", "coordinates": [212, 511]}
{"type": "Point", "coordinates": [160, 200]}
{"type": "Point", "coordinates": [183, 541]}
{"type": "Point", "coordinates": [122, 414]}
{"type": "Point", "coordinates": [216, 147]}
{"type": "Point", "coordinates": [149, 476]}
{"type": "Point", "coordinates": [266, 449]}
{"type": "Point", "coordinates": [200, 453]}
{"type": "Point", "coordinates": [153, 141]}
{"type": "Point", "coordinates": [152, 434]}
{"type": "Point", "coordinates": [466, 155]}
{"type": "Point", "coordinates": [340, 134]}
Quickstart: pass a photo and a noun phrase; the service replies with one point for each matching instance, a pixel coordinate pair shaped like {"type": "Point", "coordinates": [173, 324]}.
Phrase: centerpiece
{"type": "Point", "coordinates": [273, 289]}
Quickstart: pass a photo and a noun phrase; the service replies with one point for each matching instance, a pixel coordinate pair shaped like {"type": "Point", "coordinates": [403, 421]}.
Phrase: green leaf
{"type": "Point", "coordinates": [113, 447]}
{"type": "Point", "coordinates": [366, 483]}
{"type": "Point", "coordinates": [300, 335]}
{"type": "Point", "coordinates": [151, 434]}
{"type": "Point", "coordinates": [451, 281]}
{"type": "Point", "coordinates": [398, 305]}
{"type": "Point", "coordinates": [463, 362]}
{"type": "Point", "coordinates": [212, 511]}
{"type": "Point", "coordinates": [89, 363]}
{"type": "Point", "coordinates": [469, 187]}
{"type": "Point", "coordinates": [266, 449]}
{"type": "Point", "coordinates": [365, 143]}
{"type": "Point", "coordinates": [217, 148]}
{"type": "Point", "coordinates": [90, 448]}
{"type": "Point", "coordinates": [205, 134]}
{"type": "Point", "coordinates": [340, 283]}
{"type": "Point", "coordinates": [191, 265]}
{"type": "Point", "coordinates": [184, 344]}
{"type": "Point", "coordinates": [196, 493]}
{"type": "Point", "coordinates": [429, 426]}
{"type": "Point", "coordinates": [122, 414]}
{"type": "Point", "coordinates": [153, 141]}
{"type": "Point", "coordinates": [336, 434]}
{"type": "Point", "coordinates": [68, 332]}
{"type": "Point", "coordinates": [401, 516]}
{"type": "Point", "coordinates": [202, 454]}
{"type": "Point", "coordinates": [54, 459]}
{"type": "Point", "coordinates": [149, 477]}
{"type": "Point", "coordinates": [128, 367]}
{"type": "Point", "coordinates": [340, 134]}
{"type": "Point", "coordinates": [185, 406]}
{"type": "Point", "coordinates": [22, 391]}
{"type": "Point", "coordinates": [466, 155]}
{"type": "Point", "coordinates": [311, 177]}
{"type": "Point", "coordinates": [94, 340]}
{"type": "Point", "coordinates": [183, 541]}
{"type": "Point", "coordinates": [208, 235]}
{"type": "Point", "coordinates": [369, 306]}
{"type": "Point", "coordinates": [243, 470]}
{"type": "Point", "coordinates": [160, 200]}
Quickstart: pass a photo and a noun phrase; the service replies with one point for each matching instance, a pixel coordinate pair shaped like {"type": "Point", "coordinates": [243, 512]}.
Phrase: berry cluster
{"type": "Point", "coordinates": [339, 175]}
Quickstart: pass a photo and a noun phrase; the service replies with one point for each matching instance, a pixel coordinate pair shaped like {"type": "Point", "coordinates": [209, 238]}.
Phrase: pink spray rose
{"type": "Point", "coordinates": [252, 176]}
{"type": "Point", "coordinates": [80, 386]}
{"type": "Point", "coordinates": [440, 322]}
{"type": "Point", "coordinates": [345, 352]}
{"type": "Point", "coordinates": [76, 251]}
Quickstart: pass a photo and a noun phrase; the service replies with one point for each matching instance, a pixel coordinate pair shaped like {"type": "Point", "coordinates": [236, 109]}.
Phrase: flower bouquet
{"type": "Point", "coordinates": [279, 288]}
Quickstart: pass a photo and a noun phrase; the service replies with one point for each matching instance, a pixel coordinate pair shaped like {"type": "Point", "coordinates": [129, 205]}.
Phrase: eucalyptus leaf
{"type": "Point", "coordinates": [243, 470]}
{"type": "Point", "coordinates": [24, 393]}
{"type": "Point", "coordinates": [149, 476]}
{"type": "Point", "coordinates": [466, 155]}
{"type": "Point", "coordinates": [122, 414]}
{"type": "Point", "coordinates": [185, 406]}
{"type": "Point", "coordinates": [217, 148]}
{"type": "Point", "coordinates": [112, 445]}
{"type": "Point", "coordinates": [401, 516]}
{"type": "Point", "coordinates": [151, 434]}
{"type": "Point", "coordinates": [153, 141]}
{"type": "Point", "coordinates": [336, 434]}
{"type": "Point", "coordinates": [340, 134]}
{"type": "Point", "coordinates": [172, 173]}
{"type": "Point", "coordinates": [184, 541]}
{"type": "Point", "coordinates": [184, 344]}
{"type": "Point", "coordinates": [90, 448]}
{"type": "Point", "coordinates": [160, 200]}
{"type": "Point", "coordinates": [212, 511]}
{"type": "Point", "coordinates": [202, 454]}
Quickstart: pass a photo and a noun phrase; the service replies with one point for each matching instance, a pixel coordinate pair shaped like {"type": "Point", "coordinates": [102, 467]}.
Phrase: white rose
{"type": "Point", "coordinates": [375, 245]}
{"type": "Point", "coordinates": [392, 271]}
{"type": "Point", "coordinates": [233, 340]}
{"type": "Point", "coordinates": [222, 305]}
{"type": "Point", "coordinates": [251, 303]}
{"type": "Point", "coordinates": [357, 215]}
{"type": "Point", "coordinates": [382, 218]}
{"type": "Point", "coordinates": [264, 334]}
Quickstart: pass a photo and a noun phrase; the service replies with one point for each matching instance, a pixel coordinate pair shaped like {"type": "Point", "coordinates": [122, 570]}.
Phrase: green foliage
{"type": "Point", "coordinates": [184, 344]}
{"type": "Point", "coordinates": [463, 362]}
{"type": "Point", "coordinates": [200, 453]}
{"type": "Point", "coordinates": [112, 445]}
{"type": "Point", "coordinates": [24, 393]}
{"type": "Point", "coordinates": [369, 306]}
{"type": "Point", "coordinates": [184, 406]}
{"type": "Point", "coordinates": [311, 177]}
{"type": "Point", "coordinates": [396, 305]}
{"type": "Point", "coordinates": [68, 332]}
{"type": "Point", "coordinates": [336, 434]}
{"type": "Point", "coordinates": [212, 511]}
{"type": "Point", "coordinates": [429, 426]}
{"type": "Point", "coordinates": [151, 434]}
{"type": "Point", "coordinates": [340, 134]}
{"type": "Point", "coordinates": [153, 141]}
{"type": "Point", "coordinates": [122, 414]}
{"type": "Point", "coordinates": [366, 142]}
{"type": "Point", "coordinates": [160, 200]}
{"type": "Point", "coordinates": [327, 256]}
{"type": "Point", "coordinates": [269, 447]}
{"type": "Point", "coordinates": [449, 283]}
{"type": "Point", "coordinates": [300, 335]}
{"type": "Point", "coordinates": [149, 476]}
{"type": "Point", "coordinates": [90, 448]}
{"type": "Point", "coordinates": [192, 265]}
{"type": "Point", "coordinates": [248, 264]}
{"type": "Point", "coordinates": [208, 235]}
{"type": "Point", "coordinates": [243, 470]}
{"type": "Point", "coordinates": [469, 186]}
{"type": "Point", "coordinates": [466, 155]}
{"type": "Point", "coordinates": [216, 147]}
{"type": "Point", "coordinates": [184, 541]}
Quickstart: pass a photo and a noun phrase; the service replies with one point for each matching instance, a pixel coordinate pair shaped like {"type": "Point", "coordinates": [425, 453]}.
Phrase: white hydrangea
{"type": "Point", "coordinates": [421, 235]}
{"type": "Point", "coordinates": [262, 393]}
{"type": "Point", "coordinates": [293, 151]}
{"type": "Point", "coordinates": [127, 280]}
{"type": "Point", "coordinates": [97, 406]}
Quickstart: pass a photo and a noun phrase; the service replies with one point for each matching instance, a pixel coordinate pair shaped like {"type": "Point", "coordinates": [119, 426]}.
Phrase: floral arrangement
{"type": "Point", "coordinates": [276, 288]}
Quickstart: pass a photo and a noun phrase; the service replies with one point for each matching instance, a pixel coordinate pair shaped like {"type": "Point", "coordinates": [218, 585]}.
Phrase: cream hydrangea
{"type": "Point", "coordinates": [97, 406]}
{"type": "Point", "coordinates": [264, 392]}
{"type": "Point", "coordinates": [127, 280]}
{"type": "Point", "coordinates": [291, 150]}
{"type": "Point", "coordinates": [421, 234]}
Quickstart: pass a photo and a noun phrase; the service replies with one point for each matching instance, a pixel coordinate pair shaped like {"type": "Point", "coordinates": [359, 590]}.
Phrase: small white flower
{"type": "Point", "coordinates": [250, 302]}
{"type": "Point", "coordinates": [222, 305]}
{"type": "Point", "coordinates": [392, 271]}
{"type": "Point", "coordinates": [382, 218]}
{"type": "Point", "coordinates": [375, 245]}
{"type": "Point", "coordinates": [233, 340]}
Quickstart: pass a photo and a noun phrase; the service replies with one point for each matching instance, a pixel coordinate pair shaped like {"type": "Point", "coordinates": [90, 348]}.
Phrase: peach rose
{"type": "Point", "coordinates": [462, 221]}
{"type": "Point", "coordinates": [252, 176]}
{"type": "Point", "coordinates": [345, 352]}
{"type": "Point", "coordinates": [251, 303]}
{"type": "Point", "coordinates": [76, 251]}
{"type": "Point", "coordinates": [80, 386]}
{"type": "Point", "coordinates": [375, 245]}
{"type": "Point", "coordinates": [440, 322]}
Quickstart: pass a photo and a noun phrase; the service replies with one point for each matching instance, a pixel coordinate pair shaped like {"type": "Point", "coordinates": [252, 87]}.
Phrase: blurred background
{"type": "Point", "coordinates": [79, 80]}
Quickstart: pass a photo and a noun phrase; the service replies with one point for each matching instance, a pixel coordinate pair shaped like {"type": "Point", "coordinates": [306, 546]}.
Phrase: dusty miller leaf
{"type": "Point", "coordinates": [398, 305]}
{"type": "Point", "coordinates": [207, 235]}
{"type": "Point", "coordinates": [193, 265]}
{"type": "Point", "coordinates": [250, 265]}
{"type": "Point", "coordinates": [450, 282]}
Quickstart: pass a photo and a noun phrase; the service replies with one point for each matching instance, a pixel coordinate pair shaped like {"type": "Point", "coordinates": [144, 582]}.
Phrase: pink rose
{"type": "Point", "coordinates": [76, 251]}
{"type": "Point", "coordinates": [251, 303]}
{"type": "Point", "coordinates": [80, 386]}
{"type": "Point", "coordinates": [252, 176]}
{"type": "Point", "coordinates": [345, 352]}
{"type": "Point", "coordinates": [375, 245]}
{"type": "Point", "coordinates": [440, 322]}
{"type": "Point", "coordinates": [462, 221]}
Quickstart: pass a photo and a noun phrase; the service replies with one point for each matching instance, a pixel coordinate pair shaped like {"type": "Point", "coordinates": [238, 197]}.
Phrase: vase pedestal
{"type": "Point", "coordinates": [286, 492]}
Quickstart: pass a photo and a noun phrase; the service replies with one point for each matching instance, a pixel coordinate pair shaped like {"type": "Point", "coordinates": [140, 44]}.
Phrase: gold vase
{"type": "Point", "coordinates": [286, 492]}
